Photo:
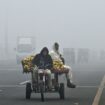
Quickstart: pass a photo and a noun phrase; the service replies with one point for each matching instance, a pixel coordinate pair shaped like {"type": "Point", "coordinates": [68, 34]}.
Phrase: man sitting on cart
{"type": "Point", "coordinates": [44, 64]}
{"type": "Point", "coordinates": [55, 54]}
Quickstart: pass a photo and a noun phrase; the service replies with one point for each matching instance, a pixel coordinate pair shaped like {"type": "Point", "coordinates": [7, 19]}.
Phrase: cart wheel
{"type": "Point", "coordinates": [28, 90]}
{"type": "Point", "coordinates": [42, 91]}
{"type": "Point", "coordinates": [62, 91]}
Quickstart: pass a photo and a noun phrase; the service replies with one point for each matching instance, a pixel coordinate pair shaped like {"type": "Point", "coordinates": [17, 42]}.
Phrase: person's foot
{"type": "Point", "coordinates": [70, 85]}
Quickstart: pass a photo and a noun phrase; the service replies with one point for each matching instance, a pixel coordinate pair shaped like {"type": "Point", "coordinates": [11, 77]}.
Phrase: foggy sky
{"type": "Point", "coordinates": [72, 23]}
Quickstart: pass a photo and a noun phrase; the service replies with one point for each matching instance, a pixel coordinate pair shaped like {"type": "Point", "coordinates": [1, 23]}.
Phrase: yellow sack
{"type": "Point", "coordinates": [28, 66]}
{"type": "Point", "coordinates": [27, 63]}
{"type": "Point", "coordinates": [58, 65]}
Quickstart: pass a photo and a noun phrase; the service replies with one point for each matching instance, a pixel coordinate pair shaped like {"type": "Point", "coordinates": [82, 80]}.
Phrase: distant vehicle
{"type": "Point", "coordinates": [69, 55]}
{"type": "Point", "coordinates": [102, 55]}
{"type": "Point", "coordinates": [83, 55]}
{"type": "Point", "coordinates": [25, 47]}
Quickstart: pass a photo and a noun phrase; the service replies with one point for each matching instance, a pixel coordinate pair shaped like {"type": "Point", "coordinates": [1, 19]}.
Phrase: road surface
{"type": "Point", "coordinates": [90, 80]}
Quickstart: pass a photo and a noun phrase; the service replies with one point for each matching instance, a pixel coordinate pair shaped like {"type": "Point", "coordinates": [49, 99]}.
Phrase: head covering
{"type": "Point", "coordinates": [55, 44]}
{"type": "Point", "coordinates": [44, 49]}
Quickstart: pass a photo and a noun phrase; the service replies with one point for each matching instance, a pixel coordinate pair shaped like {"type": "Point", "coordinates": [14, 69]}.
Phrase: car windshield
{"type": "Point", "coordinates": [24, 48]}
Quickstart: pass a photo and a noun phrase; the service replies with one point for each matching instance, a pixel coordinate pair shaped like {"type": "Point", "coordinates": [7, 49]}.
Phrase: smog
{"type": "Point", "coordinates": [78, 26]}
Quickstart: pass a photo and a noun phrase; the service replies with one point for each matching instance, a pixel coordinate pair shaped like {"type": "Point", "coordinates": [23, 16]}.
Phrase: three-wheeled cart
{"type": "Point", "coordinates": [41, 85]}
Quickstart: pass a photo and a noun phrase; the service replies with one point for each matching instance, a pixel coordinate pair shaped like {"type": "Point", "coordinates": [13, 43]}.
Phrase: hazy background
{"type": "Point", "coordinates": [72, 23]}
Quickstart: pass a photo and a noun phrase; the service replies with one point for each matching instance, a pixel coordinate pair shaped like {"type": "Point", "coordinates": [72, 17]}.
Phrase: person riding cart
{"type": "Point", "coordinates": [57, 57]}
{"type": "Point", "coordinates": [44, 64]}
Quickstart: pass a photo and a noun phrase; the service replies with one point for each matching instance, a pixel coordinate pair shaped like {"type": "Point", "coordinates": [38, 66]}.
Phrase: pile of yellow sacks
{"type": "Point", "coordinates": [28, 67]}
{"type": "Point", "coordinates": [58, 65]}
{"type": "Point", "coordinates": [27, 63]}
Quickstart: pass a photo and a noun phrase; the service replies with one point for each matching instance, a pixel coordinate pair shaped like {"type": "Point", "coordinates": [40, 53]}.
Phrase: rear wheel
{"type": "Point", "coordinates": [62, 91]}
{"type": "Point", "coordinates": [28, 90]}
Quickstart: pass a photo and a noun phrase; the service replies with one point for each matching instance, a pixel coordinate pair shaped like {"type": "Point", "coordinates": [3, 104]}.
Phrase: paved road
{"type": "Point", "coordinates": [88, 80]}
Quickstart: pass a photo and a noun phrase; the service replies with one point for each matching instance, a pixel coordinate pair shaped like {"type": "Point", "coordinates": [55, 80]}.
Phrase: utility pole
{"type": "Point", "coordinates": [6, 32]}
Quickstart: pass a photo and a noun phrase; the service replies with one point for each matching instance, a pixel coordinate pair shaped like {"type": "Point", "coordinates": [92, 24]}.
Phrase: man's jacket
{"type": "Point", "coordinates": [43, 62]}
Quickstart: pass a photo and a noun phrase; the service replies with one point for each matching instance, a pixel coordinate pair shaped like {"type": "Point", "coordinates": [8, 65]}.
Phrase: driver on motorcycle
{"type": "Point", "coordinates": [44, 63]}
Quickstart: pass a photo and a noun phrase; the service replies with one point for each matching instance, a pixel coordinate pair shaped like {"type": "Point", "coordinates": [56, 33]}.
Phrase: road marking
{"type": "Point", "coordinates": [87, 86]}
{"type": "Point", "coordinates": [82, 86]}
{"type": "Point", "coordinates": [99, 92]}
{"type": "Point", "coordinates": [22, 83]}
{"type": "Point", "coordinates": [11, 86]}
